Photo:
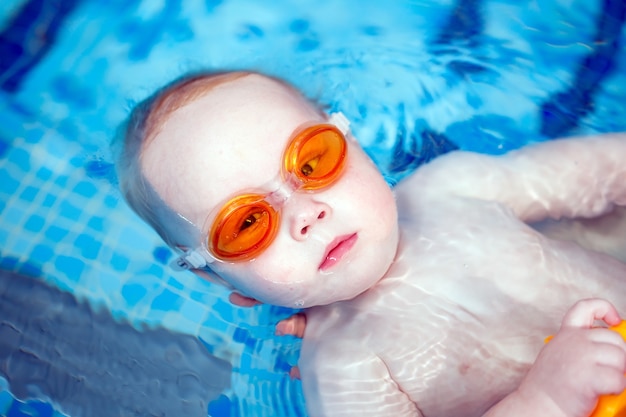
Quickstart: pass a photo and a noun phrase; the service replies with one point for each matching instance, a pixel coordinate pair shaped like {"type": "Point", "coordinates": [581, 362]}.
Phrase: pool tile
{"type": "Point", "coordinates": [119, 262]}
{"type": "Point", "coordinates": [8, 184]}
{"type": "Point", "coordinates": [70, 266]}
{"type": "Point", "coordinates": [55, 233]}
{"type": "Point", "coordinates": [86, 189]}
{"type": "Point", "coordinates": [29, 193]}
{"type": "Point", "coordinates": [166, 301]}
{"type": "Point", "coordinates": [35, 223]}
{"type": "Point", "coordinates": [133, 293]}
{"type": "Point", "coordinates": [88, 245]}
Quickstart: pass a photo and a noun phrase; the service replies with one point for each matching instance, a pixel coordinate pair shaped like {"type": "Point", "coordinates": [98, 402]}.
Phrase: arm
{"type": "Point", "coordinates": [581, 177]}
{"type": "Point", "coordinates": [574, 369]}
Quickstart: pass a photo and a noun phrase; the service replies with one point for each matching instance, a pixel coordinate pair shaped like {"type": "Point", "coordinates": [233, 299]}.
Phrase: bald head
{"type": "Point", "coordinates": [164, 168]}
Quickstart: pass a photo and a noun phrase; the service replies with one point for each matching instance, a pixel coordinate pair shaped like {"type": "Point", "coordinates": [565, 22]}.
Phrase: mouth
{"type": "Point", "coordinates": [337, 249]}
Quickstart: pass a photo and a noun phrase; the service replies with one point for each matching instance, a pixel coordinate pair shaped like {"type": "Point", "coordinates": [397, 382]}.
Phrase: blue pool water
{"type": "Point", "coordinates": [93, 322]}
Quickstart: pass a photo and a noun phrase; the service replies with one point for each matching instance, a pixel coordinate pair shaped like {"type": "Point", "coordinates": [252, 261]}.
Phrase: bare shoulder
{"type": "Point", "coordinates": [443, 175]}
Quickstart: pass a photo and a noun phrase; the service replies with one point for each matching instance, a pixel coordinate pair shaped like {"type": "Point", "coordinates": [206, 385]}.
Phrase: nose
{"type": "Point", "coordinates": [303, 213]}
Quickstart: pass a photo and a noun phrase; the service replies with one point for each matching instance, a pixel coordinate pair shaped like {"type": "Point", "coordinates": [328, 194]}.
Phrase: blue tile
{"type": "Point", "coordinates": [86, 189]}
{"type": "Point", "coordinates": [96, 223]}
{"type": "Point", "coordinates": [8, 263]}
{"type": "Point", "coordinates": [246, 361]}
{"type": "Point", "coordinates": [89, 247]}
{"type": "Point", "coordinates": [70, 211]}
{"type": "Point", "coordinates": [174, 283]}
{"type": "Point", "coordinates": [223, 406]}
{"type": "Point", "coordinates": [133, 293]}
{"type": "Point", "coordinates": [308, 44]}
{"type": "Point", "coordinates": [162, 254]}
{"type": "Point", "coordinates": [44, 174]}
{"type": "Point", "coordinates": [111, 202]}
{"type": "Point", "coordinates": [224, 309]}
{"type": "Point", "coordinates": [35, 223]}
{"type": "Point", "coordinates": [49, 200]}
{"type": "Point", "coordinates": [299, 26]}
{"type": "Point", "coordinates": [240, 335]}
{"type": "Point", "coordinates": [72, 267]}
{"type": "Point", "coordinates": [8, 184]}
{"type": "Point", "coordinates": [41, 254]}
{"type": "Point", "coordinates": [21, 158]}
{"type": "Point", "coordinates": [77, 161]}
{"type": "Point", "coordinates": [154, 270]}
{"type": "Point", "coordinates": [30, 269]}
{"type": "Point", "coordinates": [281, 365]}
{"type": "Point", "coordinates": [119, 262]}
{"type": "Point", "coordinates": [33, 135]}
{"type": "Point", "coordinates": [21, 244]}
{"type": "Point", "coordinates": [55, 233]}
{"type": "Point", "coordinates": [61, 181]}
{"type": "Point", "coordinates": [166, 301]}
{"type": "Point", "coordinates": [29, 193]}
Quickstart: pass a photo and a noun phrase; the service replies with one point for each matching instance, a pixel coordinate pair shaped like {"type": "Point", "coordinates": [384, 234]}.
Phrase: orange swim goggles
{"type": "Point", "coordinates": [247, 223]}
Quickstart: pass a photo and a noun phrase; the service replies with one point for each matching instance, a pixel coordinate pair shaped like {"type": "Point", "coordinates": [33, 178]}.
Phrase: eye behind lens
{"type": "Point", "coordinates": [316, 156]}
{"type": "Point", "coordinates": [243, 228]}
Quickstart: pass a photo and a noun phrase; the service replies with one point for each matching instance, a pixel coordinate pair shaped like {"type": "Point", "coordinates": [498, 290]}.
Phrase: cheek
{"type": "Point", "coordinates": [266, 279]}
{"type": "Point", "coordinates": [371, 194]}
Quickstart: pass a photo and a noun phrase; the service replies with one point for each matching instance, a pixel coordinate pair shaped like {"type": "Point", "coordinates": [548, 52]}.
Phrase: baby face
{"type": "Point", "coordinates": [331, 244]}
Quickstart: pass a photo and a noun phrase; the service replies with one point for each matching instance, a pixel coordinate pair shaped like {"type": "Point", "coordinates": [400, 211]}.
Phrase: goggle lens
{"type": "Point", "coordinates": [243, 228]}
{"type": "Point", "coordinates": [316, 156]}
{"type": "Point", "coordinates": [247, 224]}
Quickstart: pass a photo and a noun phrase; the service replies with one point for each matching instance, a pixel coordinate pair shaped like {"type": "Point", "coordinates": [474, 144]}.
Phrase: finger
{"type": "Point", "coordinates": [242, 301]}
{"type": "Point", "coordinates": [294, 373]}
{"type": "Point", "coordinates": [607, 380]}
{"type": "Point", "coordinates": [585, 312]}
{"type": "Point", "coordinates": [607, 336]}
{"type": "Point", "coordinates": [608, 355]}
{"type": "Point", "coordinates": [294, 325]}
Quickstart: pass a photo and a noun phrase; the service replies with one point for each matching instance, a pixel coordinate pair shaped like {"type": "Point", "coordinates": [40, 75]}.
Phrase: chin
{"type": "Point", "coordinates": [350, 287]}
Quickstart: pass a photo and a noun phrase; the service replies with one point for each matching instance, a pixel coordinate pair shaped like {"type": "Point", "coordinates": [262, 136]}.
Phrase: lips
{"type": "Point", "coordinates": [337, 249]}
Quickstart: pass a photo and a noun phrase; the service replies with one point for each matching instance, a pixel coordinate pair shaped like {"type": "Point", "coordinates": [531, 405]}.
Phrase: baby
{"type": "Point", "coordinates": [433, 300]}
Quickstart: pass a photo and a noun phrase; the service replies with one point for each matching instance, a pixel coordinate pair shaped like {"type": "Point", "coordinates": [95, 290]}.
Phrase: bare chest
{"type": "Point", "coordinates": [465, 307]}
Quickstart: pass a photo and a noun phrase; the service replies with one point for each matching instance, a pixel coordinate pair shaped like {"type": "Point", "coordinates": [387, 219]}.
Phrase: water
{"type": "Point", "coordinates": [416, 78]}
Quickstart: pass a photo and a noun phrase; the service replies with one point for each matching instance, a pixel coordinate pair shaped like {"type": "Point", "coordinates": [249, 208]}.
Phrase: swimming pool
{"type": "Point", "coordinates": [92, 319]}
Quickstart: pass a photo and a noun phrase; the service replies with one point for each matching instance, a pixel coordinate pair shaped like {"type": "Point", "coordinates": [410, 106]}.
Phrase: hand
{"type": "Point", "coordinates": [579, 364]}
{"type": "Point", "coordinates": [294, 325]}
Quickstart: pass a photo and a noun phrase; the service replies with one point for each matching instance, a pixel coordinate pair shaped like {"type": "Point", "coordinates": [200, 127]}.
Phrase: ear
{"type": "Point", "coordinates": [211, 276]}
{"type": "Point", "coordinates": [242, 301]}
{"type": "Point", "coordinates": [235, 298]}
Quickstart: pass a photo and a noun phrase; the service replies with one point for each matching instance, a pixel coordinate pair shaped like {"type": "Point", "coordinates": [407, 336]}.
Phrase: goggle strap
{"type": "Point", "coordinates": [191, 259]}
{"type": "Point", "coordinates": [341, 121]}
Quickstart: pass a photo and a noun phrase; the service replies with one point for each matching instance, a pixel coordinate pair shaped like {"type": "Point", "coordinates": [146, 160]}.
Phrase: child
{"type": "Point", "coordinates": [431, 302]}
